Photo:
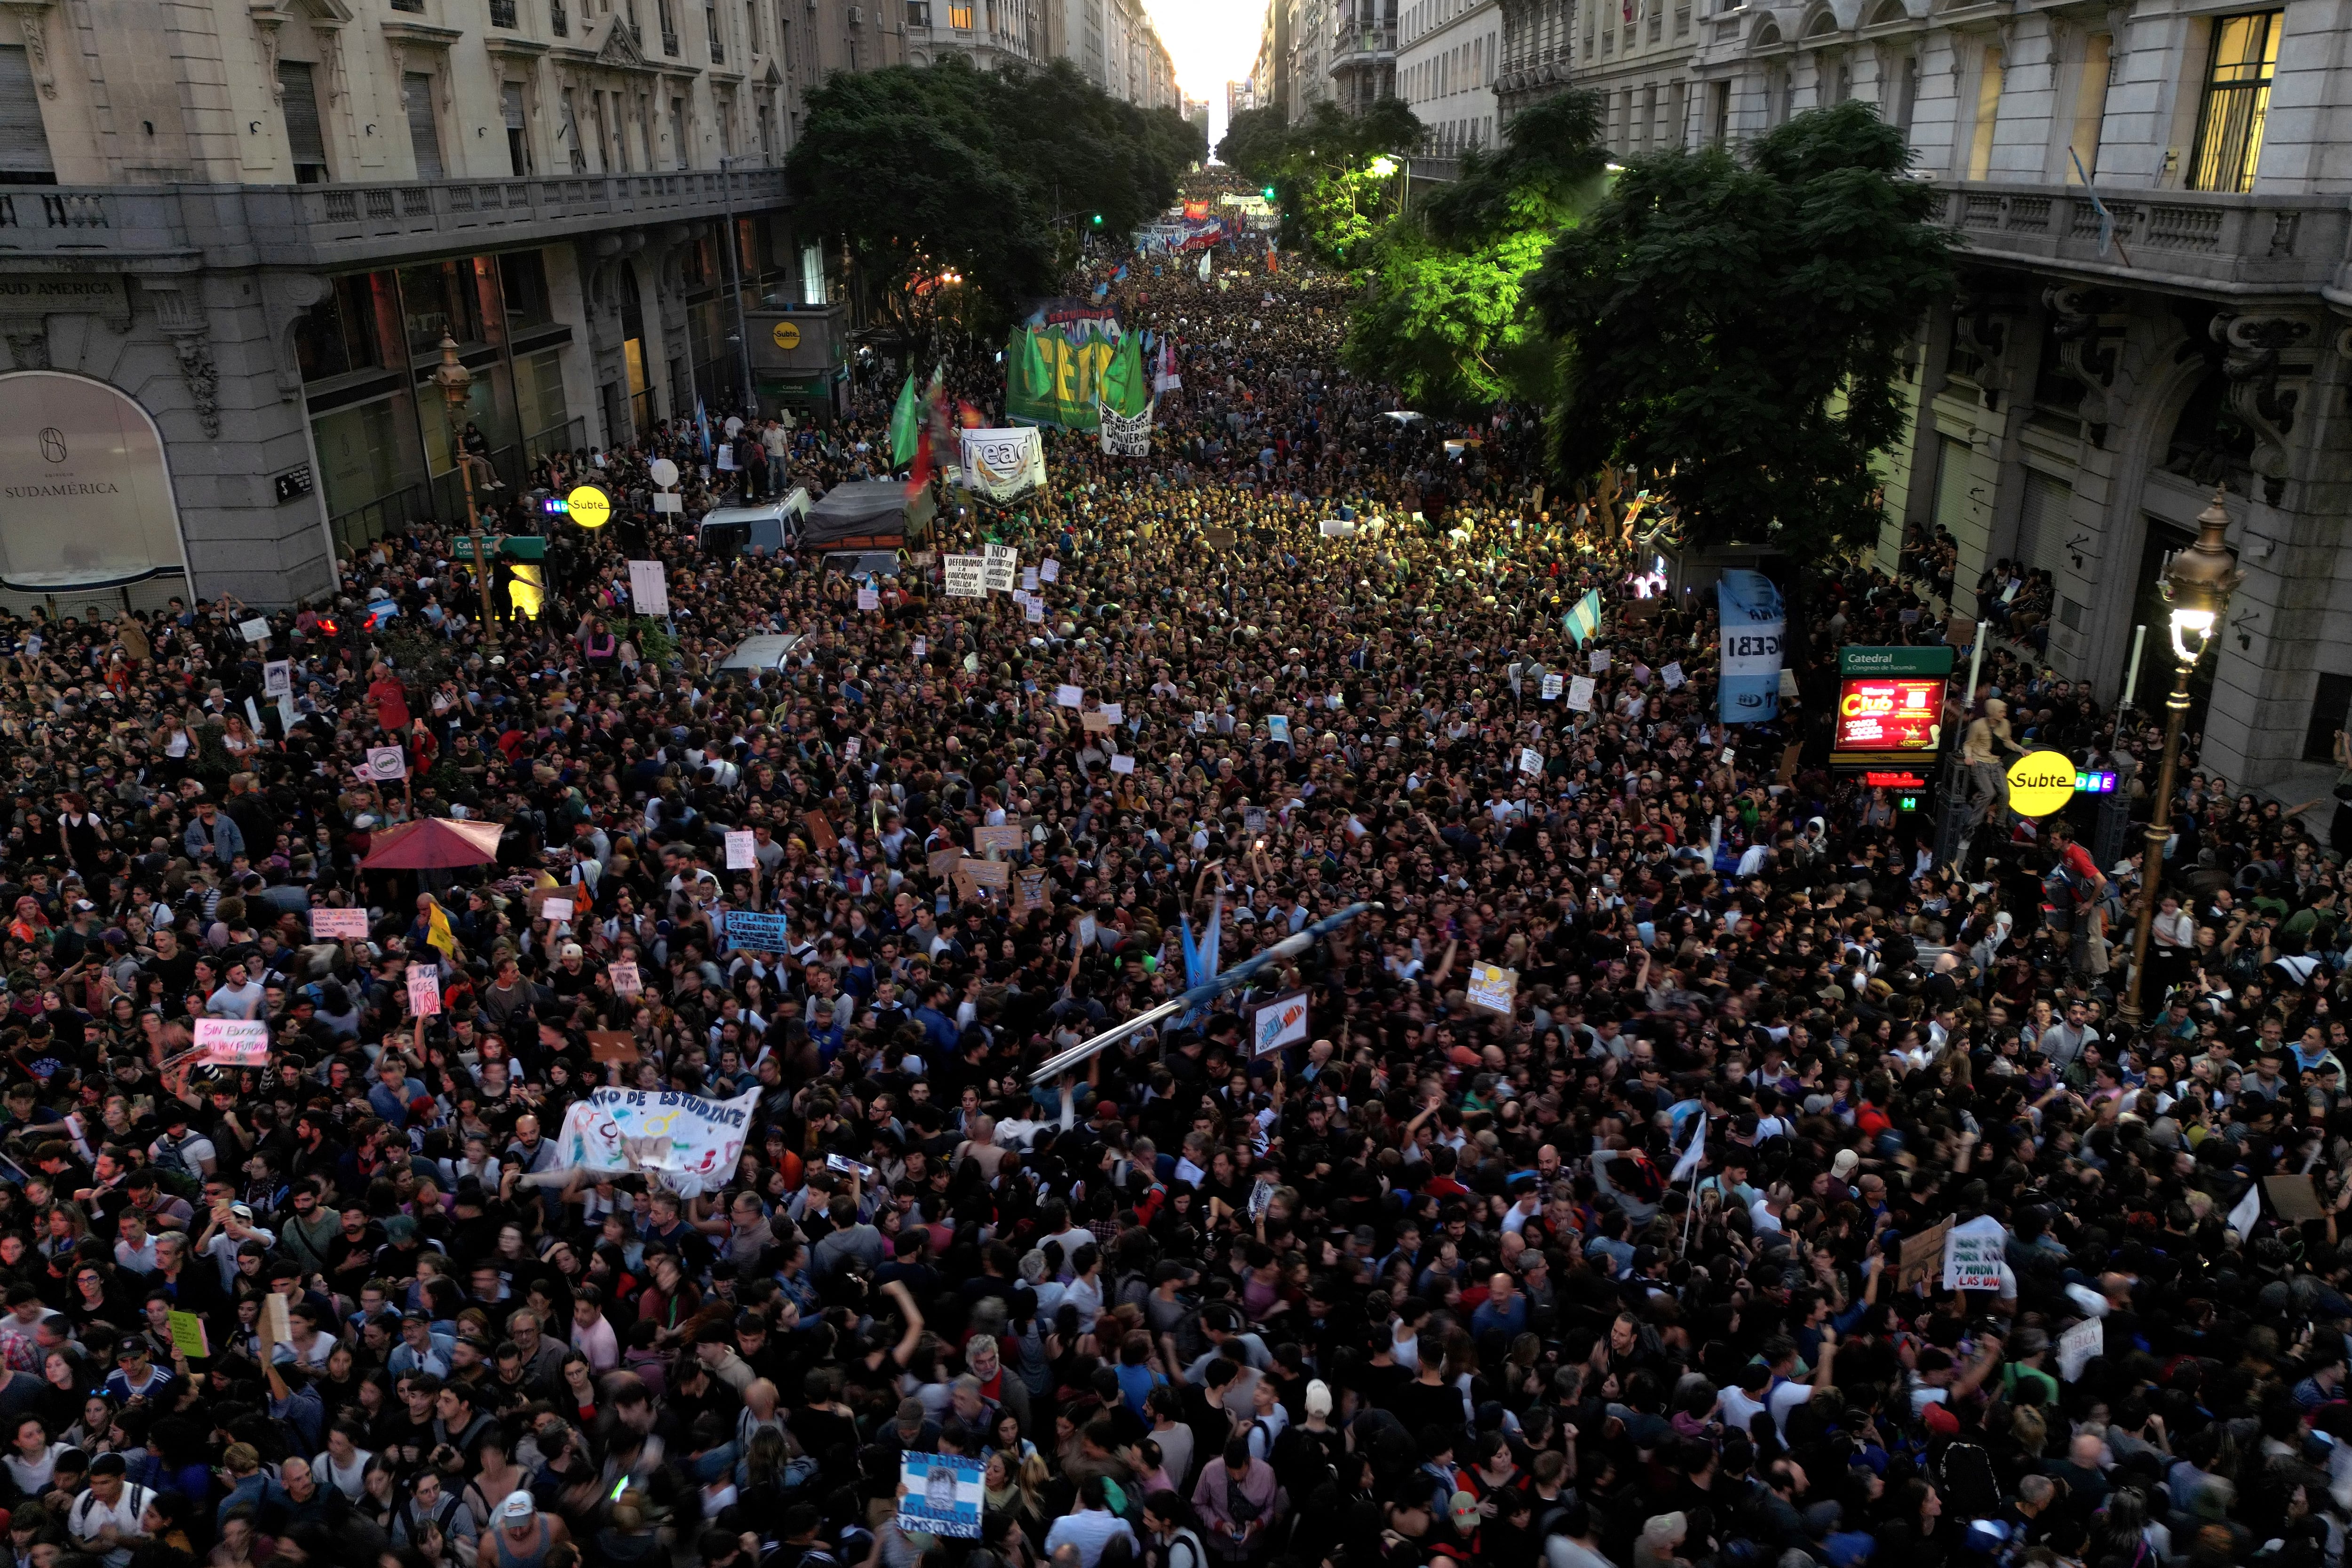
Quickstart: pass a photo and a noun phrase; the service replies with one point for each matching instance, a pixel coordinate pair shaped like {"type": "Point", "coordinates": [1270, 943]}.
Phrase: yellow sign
{"type": "Point", "coordinates": [589, 507]}
{"type": "Point", "coordinates": [788, 336]}
{"type": "Point", "coordinates": [2040, 783]}
{"type": "Point", "coordinates": [188, 1336]}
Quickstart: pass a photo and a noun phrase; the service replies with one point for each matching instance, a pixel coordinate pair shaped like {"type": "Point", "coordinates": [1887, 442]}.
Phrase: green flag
{"type": "Point", "coordinates": [1126, 388]}
{"type": "Point", "coordinates": [906, 420]}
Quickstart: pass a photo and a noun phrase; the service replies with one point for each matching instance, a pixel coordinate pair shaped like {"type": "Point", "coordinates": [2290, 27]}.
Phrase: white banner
{"type": "Point", "coordinates": [1279, 1022]}
{"type": "Point", "coordinates": [1123, 436]}
{"type": "Point", "coordinates": [967, 576]}
{"type": "Point", "coordinates": [1002, 565]}
{"type": "Point", "coordinates": [648, 588]}
{"type": "Point", "coordinates": [1002, 464]}
{"type": "Point", "coordinates": [691, 1141]}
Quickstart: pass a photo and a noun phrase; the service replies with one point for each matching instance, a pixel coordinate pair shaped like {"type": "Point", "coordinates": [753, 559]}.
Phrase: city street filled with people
{"type": "Point", "coordinates": [1665, 1157]}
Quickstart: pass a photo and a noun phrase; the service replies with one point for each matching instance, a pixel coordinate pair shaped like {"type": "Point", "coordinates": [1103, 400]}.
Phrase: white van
{"type": "Point", "coordinates": [772, 525]}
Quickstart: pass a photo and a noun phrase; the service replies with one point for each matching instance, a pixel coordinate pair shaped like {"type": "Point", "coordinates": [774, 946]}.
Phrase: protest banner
{"type": "Point", "coordinates": [1279, 1022]}
{"type": "Point", "coordinates": [387, 762]}
{"type": "Point", "coordinates": [821, 831]}
{"type": "Point", "coordinates": [1493, 988]}
{"type": "Point", "coordinates": [233, 1042]}
{"type": "Point", "coordinates": [688, 1141]}
{"type": "Point", "coordinates": [989, 840]}
{"type": "Point", "coordinates": [995, 875]}
{"type": "Point", "coordinates": [1000, 563]}
{"type": "Point", "coordinates": [2078, 1345]}
{"type": "Point", "coordinates": [742, 850]}
{"type": "Point", "coordinates": [757, 933]}
{"type": "Point", "coordinates": [277, 678]}
{"type": "Point", "coordinates": [967, 576]}
{"type": "Point", "coordinates": [1553, 685]}
{"type": "Point", "coordinates": [1580, 694]}
{"type": "Point", "coordinates": [188, 1337]}
{"type": "Point", "coordinates": [339, 923]}
{"type": "Point", "coordinates": [1032, 893]}
{"type": "Point", "coordinates": [1922, 1256]}
{"type": "Point", "coordinates": [940, 1494]}
{"type": "Point", "coordinates": [626, 981]}
{"type": "Point", "coordinates": [423, 990]}
{"type": "Point", "coordinates": [1972, 1254]}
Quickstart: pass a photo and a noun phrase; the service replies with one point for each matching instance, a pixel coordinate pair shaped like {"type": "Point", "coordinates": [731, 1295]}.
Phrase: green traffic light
{"type": "Point", "coordinates": [1098, 218]}
{"type": "Point", "coordinates": [1269, 193]}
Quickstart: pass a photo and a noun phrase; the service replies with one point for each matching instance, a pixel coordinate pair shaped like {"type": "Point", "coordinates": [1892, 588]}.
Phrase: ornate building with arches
{"type": "Point", "coordinates": [2151, 200]}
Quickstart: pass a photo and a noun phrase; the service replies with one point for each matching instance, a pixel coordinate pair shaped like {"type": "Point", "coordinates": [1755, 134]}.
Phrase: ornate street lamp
{"type": "Point", "coordinates": [456, 382]}
{"type": "Point", "coordinates": [2198, 585]}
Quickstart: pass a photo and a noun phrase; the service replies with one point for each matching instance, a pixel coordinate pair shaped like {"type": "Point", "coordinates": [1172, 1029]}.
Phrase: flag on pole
{"type": "Point", "coordinates": [1583, 618]}
{"type": "Point", "coordinates": [1693, 1156]}
{"type": "Point", "coordinates": [905, 421]}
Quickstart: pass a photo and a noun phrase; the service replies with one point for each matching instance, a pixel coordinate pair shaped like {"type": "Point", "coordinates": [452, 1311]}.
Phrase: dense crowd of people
{"type": "Point", "coordinates": [1593, 1216]}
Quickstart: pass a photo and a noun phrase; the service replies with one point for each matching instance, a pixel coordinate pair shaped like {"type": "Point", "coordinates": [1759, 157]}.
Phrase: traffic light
{"type": "Point", "coordinates": [1098, 220]}
{"type": "Point", "coordinates": [1269, 193]}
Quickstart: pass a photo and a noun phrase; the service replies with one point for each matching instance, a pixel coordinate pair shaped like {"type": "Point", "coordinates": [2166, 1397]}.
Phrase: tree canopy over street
{"type": "Point", "coordinates": [991, 176]}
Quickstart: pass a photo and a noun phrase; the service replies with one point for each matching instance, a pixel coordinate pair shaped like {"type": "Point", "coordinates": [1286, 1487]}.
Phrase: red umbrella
{"type": "Point", "coordinates": [433, 842]}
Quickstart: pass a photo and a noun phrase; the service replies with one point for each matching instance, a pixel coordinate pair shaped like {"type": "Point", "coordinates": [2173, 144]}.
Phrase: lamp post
{"type": "Point", "coordinates": [735, 272]}
{"type": "Point", "coordinates": [456, 382]}
{"type": "Point", "coordinates": [2197, 584]}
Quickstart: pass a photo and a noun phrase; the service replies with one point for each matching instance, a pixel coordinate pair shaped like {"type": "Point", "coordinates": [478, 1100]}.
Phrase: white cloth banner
{"type": "Point", "coordinates": [1002, 464]}
{"type": "Point", "coordinates": [1123, 436]}
{"type": "Point", "coordinates": [691, 1143]}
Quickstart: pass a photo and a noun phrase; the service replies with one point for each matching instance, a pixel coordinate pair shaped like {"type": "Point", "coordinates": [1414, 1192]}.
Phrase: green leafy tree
{"type": "Point", "coordinates": [1444, 312]}
{"type": "Point", "coordinates": [996, 177]}
{"type": "Point", "coordinates": [1732, 330]}
{"type": "Point", "coordinates": [1337, 178]}
{"type": "Point", "coordinates": [1254, 144]}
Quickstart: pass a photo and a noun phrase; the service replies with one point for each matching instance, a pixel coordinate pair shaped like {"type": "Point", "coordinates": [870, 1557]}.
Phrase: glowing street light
{"type": "Point", "coordinates": [1383, 166]}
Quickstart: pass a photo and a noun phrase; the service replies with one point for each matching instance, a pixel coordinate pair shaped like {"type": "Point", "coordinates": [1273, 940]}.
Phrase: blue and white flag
{"type": "Point", "coordinates": [1754, 625]}
{"type": "Point", "coordinates": [1583, 618]}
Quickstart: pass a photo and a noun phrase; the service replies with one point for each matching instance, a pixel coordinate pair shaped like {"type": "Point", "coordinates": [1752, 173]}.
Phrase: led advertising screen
{"type": "Point", "coordinates": [1890, 712]}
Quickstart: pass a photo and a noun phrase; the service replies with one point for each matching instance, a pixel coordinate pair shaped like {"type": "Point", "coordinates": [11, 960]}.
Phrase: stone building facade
{"type": "Point", "coordinates": [233, 232]}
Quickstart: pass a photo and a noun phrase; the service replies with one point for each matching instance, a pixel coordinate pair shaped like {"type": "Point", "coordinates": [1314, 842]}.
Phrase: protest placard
{"type": "Point", "coordinates": [337, 923]}
{"type": "Point", "coordinates": [1493, 988]}
{"type": "Point", "coordinates": [423, 990]}
{"type": "Point", "coordinates": [1004, 838]}
{"type": "Point", "coordinates": [1922, 1256]}
{"type": "Point", "coordinates": [757, 933]}
{"type": "Point", "coordinates": [626, 981]}
{"type": "Point", "coordinates": [233, 1042]}
{"type": "Point", "coordinates": [1279, 1022]}
{"type": "Point", "coordinates": [743, 850]}
{"type": "Point", "coordinates": [967, 576]}
{"type": "Point", "coordinates": [1972, 1254]}
{"type": "Point", "coordinates": [648, 588]}
{"type": "Point", "coordinates": [940, 1494]}
{"type": "Point", "coordinates": [2078, 1346]}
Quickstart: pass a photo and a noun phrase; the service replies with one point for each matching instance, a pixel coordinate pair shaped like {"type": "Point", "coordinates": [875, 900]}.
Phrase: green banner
{"type": "Point", "coordinates": [1051, 378]}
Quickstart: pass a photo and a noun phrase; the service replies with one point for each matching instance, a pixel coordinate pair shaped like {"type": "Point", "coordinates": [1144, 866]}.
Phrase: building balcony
{"type": "Point", "coordinates": [2202, 241]}
{"type": "Point", "coordinates": [1364, 47]}
{"type": "Point", "coordinates": [177, 229]}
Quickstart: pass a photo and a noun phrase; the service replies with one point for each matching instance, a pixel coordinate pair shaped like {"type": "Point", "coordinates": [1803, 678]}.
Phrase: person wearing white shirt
{"type": "Point", "coordinates": [1091, 1526]}
{"type": "Point", "coordinates": [108, 1520]}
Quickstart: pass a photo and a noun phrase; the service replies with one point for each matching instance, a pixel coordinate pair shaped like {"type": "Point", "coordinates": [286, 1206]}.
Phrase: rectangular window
{"type": "Point", "coordinates": [2090, 109]}
{"type": "Point", "coordinates": [2237, 100]}
{"type": "Point", "coordinates": [423, 124]}
{"type": "Point", "coordinates": [960, 15]}
{"type": "Point", "coordinates": [678, 130]}
{"type": "Point", "coordinates": [571, 135]}
{"type": "Point", "coordinates": [517, 135]}
{"type": "Point", "coordinates": [812, 275]}
{"type": "Point", "coordinates": [522, 283]}
{"type": "Point", "coordinates": [300, 96]}
{"type": "Point", "coordinates": [1718, 113]}
{"type": "Point", "coordinates": [1906, 94]}
{"type": "Point", "coordinates": [1988, 114]}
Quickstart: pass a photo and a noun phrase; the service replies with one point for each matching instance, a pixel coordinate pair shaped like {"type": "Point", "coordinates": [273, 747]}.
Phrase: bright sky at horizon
{"type": "Point", "coordinates": [1212, 42]}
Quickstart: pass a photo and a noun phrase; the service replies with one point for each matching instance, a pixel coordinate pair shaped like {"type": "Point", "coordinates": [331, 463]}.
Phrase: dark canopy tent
{"type": "Point", "coordinates": [868, 514]}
